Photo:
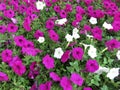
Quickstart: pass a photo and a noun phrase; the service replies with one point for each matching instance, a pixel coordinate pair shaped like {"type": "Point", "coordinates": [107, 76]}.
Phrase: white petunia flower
{"type": "Point", "coordinates": [93, 20]}
{"type": "Point", "coordinates": [75, 30]}
{"type": "Point", "coordinates": [92, 52]}
{"type": "Point", "coordinates": [114, 72]}
{"type": "Point", "coordinates": [118, 54]}
{"type": "Point", "coordinates": [69, 38]}
{"type": "Point", "coordinates": [40, 5]}
{"type": "Point", "coordinates": [102, 69]}
{"type": "Point", "coordinates": [61, 21]}
{"type": "Point", "coordinates": [41, 39]}
{"type": "Point", "coordinates": [107, 26]}
{"type": "Point", "coordinates": [58, 53]}
{"type": "Point", "coordinates": [76, 36]}
{"type": "Point", "coordinates": [75, 33]}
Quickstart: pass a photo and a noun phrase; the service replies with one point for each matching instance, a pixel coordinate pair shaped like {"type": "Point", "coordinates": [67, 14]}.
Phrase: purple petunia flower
{"type": "Point", "coordinates": [30, 51]}
{"type": "Point", "coordinates": [2, 6]}
{"type": "Point", "coordinates": [68, 8]}
{"type": "Point", "coordinates": [54, 76]}
{"type": "Point", "coordinates": [87, 88]}
{"type": "Point", "coordinates": [75, 23]}
{"type": "Point", "coordinates": [77, 53]}
{"type": "Point", "coordinates": [12, 28]}
{"type": "Point", "coordinates": [112, 44]}
{"type": "Point", "coordinates": [78, 17]}
{"type": "Point", "coordinates": [80, 10]}
{"type": "Point", "coordinates": [65, 83]}
{"type": "Point", "coordinates": [19, 68]}
{"type": "Point", "coordinates": [57, 9]}
{"type": "Point", "coordinates": [16, 58]}
{"type": "Point", "coordinates": [65, 56]}
{"type": "Point", "coordinates": [9, 13]}
{"type": "Point", "coordinates": [88, 2]}
{"type": "Point", "coordinates": [38, 34]}
{"type": "Point", "coordinates": [77, 79]}
{"type": "Point", "coordinates": [49, 24]}
{"type": "Point", "coordinates": [6, 55]}
{"type": "Point", "coordinates": [63, 14]}
{"type": "Point", "coordinates": [28, 44]}
{"type": "Point", "coordinates": [45, 86]}
{"type": "Point", "coordinates": [22, 8]}
{"type": "Point", "coordinates": [3, 77]}
{"type": "Point", "coordinates": [20, 40]}
{"type": "Point", "coordinates": [48, 62]}
{"type": "Point", "coordinates": [33, 16]}
{"type": "Point", "coordinates": [92, 66]}
{"type": "Point", "coordinates": [97, 33]}
{"type": "Point", "coordinates": [34, 87]}
{"type": "Point", "coordinates": [48, 3]}
{"type": "Point", "coordinates": [116, 25]}
{"type": "Point", "coordinates": [53, 35]}
{"type": "Point", "coordinates": [2, 29]}
{"type": "Point", "coordinates": [27, 23]}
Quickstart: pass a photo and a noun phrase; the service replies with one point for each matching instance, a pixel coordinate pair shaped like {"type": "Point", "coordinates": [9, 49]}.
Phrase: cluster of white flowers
{"type": "Point", "coordinates": [74, 35]}
{"type": "Point", "coordinates": [58, 53]}
{"type": "Point", "coordinates": [61, 21]}
{"type": "Point", "coordinates": [40, 5]}
{"type": "Point", "coordinates": [111, 73]}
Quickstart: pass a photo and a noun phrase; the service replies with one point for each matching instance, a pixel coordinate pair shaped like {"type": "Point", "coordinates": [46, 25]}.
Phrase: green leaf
{"type": "Point", "coordinates": [104, 87]}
